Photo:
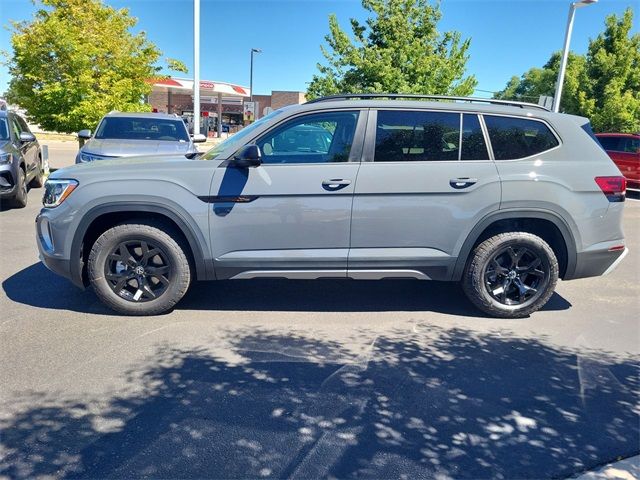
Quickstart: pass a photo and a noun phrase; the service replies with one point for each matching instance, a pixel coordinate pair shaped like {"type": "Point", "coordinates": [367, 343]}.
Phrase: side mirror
{"type": "Point", "coordinates": [248, 156]}
{"type": "Point", "coordinates": [84, 134]}
{"type": "Point", "coordinates": [26, 137]}
{"type": "Point", "coordinates": [198, 138]}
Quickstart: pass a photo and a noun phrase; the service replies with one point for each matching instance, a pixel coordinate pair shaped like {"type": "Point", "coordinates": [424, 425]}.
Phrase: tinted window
{"type": "Point", "coordinates": [610, 143]}
{"type": "Point", "coordinates": [131, 128]}
{"type": "Point", "coordinates": [23, 124]}
{"type": "Point", "coordinates": [4, 129]}
{"type": "Point", "coordinates": [474, 146]}
{"type": "Point", "coordinates": [317, 138]}
{"type": "Point", "coordinates": [416, 136]}
{"type": "Point", "coordinates": [631, 145]}
{"type": "Point", "coordinates": [16, 127]}
{"type": "Point", "coordinates": [513, 138]}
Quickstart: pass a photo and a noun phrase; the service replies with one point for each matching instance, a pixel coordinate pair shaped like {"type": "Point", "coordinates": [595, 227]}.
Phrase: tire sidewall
{"type": "Point", "coordinates": [97, 260]}
{"type": "Point", "coordinates": [546, 261]}
{"type": "Point", "coordinates": [474, 282]}
{"type": "Point", "coordinates": [20, 199]}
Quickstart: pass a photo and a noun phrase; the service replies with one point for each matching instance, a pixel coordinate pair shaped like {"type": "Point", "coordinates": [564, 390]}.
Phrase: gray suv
{"type": "Point", "coordinates": [21, 164]}
{"type": "Point", "coordinates": [133, 134]}
{"type": "Point", "coordinates": [505, 197]}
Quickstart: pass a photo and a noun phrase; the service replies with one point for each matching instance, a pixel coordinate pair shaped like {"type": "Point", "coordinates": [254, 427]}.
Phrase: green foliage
{"type": "Point", "coordinates": [77, 60]}
{"type": "Point", "coordinates": [604, 85]}
{"type": "Point", "coordinates": [612, 96]}
{"type": "Point", "coordinates": [176, 65]}
{"type": "Point", "coordinates": [398, 50]}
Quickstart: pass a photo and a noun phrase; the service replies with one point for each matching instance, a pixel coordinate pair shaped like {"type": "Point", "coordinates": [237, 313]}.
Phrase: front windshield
{"type": "Point", "coordinates": [236, 140]}
{"type": "Point", "coordinates": [4, 130]}
{"type": "Point", "coordinates": [143, 128]}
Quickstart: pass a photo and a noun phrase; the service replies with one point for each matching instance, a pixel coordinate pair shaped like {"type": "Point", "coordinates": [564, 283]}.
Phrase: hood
{"type": "Point", "coordinates": [134, 167]}
{"type": "Point", "coordinates": [130, 148]}
{"type": "Point", "coordinates": [3, 143]}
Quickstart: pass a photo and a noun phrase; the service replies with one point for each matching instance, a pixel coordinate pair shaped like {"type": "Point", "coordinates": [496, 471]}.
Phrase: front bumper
{"type": "Point", "coordinates": [48, 241]}
{"type": "Point", "coordinates": [7, 182]}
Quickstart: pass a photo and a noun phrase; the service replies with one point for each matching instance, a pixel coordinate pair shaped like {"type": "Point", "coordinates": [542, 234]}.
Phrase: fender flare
{"type": "Point", "coordinates": [203, 270]}
{"type": "Point", "coordinates": [482, 225]}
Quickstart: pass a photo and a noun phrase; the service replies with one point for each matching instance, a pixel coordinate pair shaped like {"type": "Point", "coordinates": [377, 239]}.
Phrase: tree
{"type": "Point", "coordinates": [398, 50]}
{"type": "Point", "coordinates": [77, 60]}
{"type": "Point", "coordinates": [604, 85]}
{"type": "Point", "coordinates": [536, 82]}
{"type": "Point", "coordinates": [612, 96]}
{"type": "Point", "coordinates": [176, 65]}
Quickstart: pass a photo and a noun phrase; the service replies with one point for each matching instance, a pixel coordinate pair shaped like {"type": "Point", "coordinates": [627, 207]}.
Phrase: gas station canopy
{"type": "Point", "coordinates": [207, 87]}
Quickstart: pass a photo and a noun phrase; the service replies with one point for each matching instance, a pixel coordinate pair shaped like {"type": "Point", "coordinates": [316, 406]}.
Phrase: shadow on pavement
{"type": "Point", "coordinates": [36, 286]}
{"type": "Point", "coordinates": [432, 404]}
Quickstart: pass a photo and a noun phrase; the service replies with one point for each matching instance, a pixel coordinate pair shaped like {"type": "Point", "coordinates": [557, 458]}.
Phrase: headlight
{"type": "Point", "coordinates": [5, 158]}
{"type": "Point", "coordinates": [56, 191]}
{"type": "Point", "coordinates": [89, 157]}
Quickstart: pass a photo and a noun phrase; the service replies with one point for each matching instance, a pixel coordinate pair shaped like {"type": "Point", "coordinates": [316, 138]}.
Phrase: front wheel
{"type": "Point", "coordinates": [139, 269]}
{"type": "Point", "coordinates": [511, 275]}
{"type": "Point", "coordinates": [22, 191]}
{"type": "Point", "coordinates": [38, 180]}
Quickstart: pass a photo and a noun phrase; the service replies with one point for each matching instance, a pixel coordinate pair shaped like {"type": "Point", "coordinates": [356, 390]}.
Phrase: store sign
{"type": "Point", "coordinates": [249, 110]}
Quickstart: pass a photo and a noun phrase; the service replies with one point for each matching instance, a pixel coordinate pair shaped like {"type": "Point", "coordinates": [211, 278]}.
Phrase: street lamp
{"type": "Point", "coordinates": [253, 50]}
{"type": "Point", "coordinates": [565, 51]}
{"type": "Point", "coordinates": [196, 67]}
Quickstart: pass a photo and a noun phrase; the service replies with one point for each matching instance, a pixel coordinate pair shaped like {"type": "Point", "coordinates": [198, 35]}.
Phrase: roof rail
{"type": "Point", "coordinates": [368, 96]}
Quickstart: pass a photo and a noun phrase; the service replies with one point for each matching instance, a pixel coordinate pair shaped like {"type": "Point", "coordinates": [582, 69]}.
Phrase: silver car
{"type": "Point", "coordinates": [134, 134]}
{"type": "Point", "coordinates": [506, 198]}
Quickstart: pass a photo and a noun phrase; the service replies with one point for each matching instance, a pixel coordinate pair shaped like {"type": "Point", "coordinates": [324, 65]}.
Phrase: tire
{"type": "Point", "coordinates": [151, 286]}
{"type": "Point", "coordinates": [20, 198]}
{"type": "Point", "coordinates": [504, 279]}
{"type": "Point", "coordinates": [38, 180]}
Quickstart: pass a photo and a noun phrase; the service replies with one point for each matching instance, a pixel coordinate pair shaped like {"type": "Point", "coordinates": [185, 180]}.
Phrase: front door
{"type": "Point", "coordinates": [426, 179]}
{"type": "Point", "coordinates": [291, 215]}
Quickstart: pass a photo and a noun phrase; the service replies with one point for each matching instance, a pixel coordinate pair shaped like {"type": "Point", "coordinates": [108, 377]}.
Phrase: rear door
{"type": "Point", "coordinates": [293, 212]}
{"type": "Point", "coordinates": [425, 181]}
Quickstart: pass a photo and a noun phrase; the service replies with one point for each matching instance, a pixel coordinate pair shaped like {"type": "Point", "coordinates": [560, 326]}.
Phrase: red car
{"type": "Point", "coordinates": [624, 150]}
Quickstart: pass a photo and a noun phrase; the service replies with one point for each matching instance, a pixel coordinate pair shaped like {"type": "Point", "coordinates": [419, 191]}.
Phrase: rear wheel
{"type": "Point", "coordinates": [139, 269]}
{"type": "Point", "coordinates": [511, 275]}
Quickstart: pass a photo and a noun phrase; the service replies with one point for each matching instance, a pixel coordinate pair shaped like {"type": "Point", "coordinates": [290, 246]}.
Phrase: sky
{"type": "Point", "coordinates": [507, 36]}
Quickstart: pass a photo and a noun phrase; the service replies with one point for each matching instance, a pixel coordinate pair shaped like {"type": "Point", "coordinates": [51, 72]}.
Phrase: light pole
{"type": "Point", "coordinates": [253, 50]}
{"type": "Point", "coordinates": [565, 51]}
{"type": "Point", "coordinates": [196, 67]}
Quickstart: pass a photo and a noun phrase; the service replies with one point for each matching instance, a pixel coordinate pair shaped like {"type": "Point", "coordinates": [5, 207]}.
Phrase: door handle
{"type": "Point", "coordinates": [462, 182]}
{"type": "Point", "coordinates": [335, 184]}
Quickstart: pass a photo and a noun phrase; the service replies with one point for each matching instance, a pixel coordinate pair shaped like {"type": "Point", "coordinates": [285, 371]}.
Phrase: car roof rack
{"type": "Point", "coordinates": [369, 96]}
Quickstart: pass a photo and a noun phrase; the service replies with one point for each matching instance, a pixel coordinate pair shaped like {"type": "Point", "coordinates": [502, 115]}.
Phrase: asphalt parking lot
{"type": "Point", "coordinates": [310, 379]}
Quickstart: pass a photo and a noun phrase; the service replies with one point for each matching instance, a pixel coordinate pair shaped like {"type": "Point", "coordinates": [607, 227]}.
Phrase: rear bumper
{"type": "Point", "coordinates": [597, 262]}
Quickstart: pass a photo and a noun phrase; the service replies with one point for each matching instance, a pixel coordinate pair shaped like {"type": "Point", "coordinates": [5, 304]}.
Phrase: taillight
{"type": "Point", "coordinates": [614, 188]}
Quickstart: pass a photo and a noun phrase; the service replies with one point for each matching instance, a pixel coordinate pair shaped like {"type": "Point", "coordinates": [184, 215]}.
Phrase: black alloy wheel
{"type": "Point", "coordinates": [138, 270]}
{"type": "Point", "coordinates": [516, 275]}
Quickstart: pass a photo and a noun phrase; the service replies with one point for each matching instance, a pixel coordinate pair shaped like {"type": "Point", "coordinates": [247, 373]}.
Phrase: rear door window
{"type": "Point", "coordinates": [414, 136]}
{"type": "Point", "coordinates": [513, 138]}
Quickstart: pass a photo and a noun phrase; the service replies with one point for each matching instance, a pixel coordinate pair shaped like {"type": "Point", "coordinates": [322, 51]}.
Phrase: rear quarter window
{"type": "Point", "coordinates": [513, 138]}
